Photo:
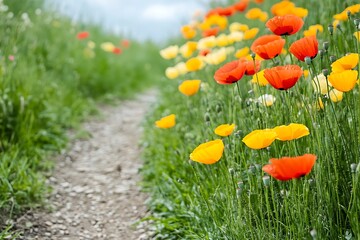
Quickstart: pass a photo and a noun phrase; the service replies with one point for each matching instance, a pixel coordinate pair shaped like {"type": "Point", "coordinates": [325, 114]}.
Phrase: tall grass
{"type": "Point", "coordinates": [49, 82]}
{"type": "Point", "coordinates": [234, 199]}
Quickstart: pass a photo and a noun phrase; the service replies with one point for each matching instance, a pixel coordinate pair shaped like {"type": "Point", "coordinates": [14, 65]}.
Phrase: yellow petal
{"type": "Point", "coordinates": [347, 62]}
{"type": "Point", "coordinates": [335, 95]}
{"type": "Point", "coordinates": [320, 84]}
{"type": "Point", "coordinates": [242, 52]}
{"type": "Point", "coordinates": [169, 52]}
{"type": "Point", "coordinates": [166, 122]}
{"type": "Point", "coordinates": [171, 72]}
{"type": "Point", "coordinates": [194, 64]}
{"type": "Point", "coordinates": [259, 78]}
{"type": "Point", "coordinates": [224, 130]}
{"type": "Point", "coordinates": [251, 33]}
{"type": "Point", "coordinates": [259, 139]}
{"type": "Point", "coordinates": [209, 152]}
{"type": "Point", "coordinates": [343, 81]}
{"type": "Point", "coordinates": [190, 87]}
{"type": "Point", "coordinates": [291, 131]}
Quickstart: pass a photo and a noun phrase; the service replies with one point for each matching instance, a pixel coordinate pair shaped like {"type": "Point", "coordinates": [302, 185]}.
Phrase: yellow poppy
{"type": "Point", "coordinates": [209, 152]}
{"type": "Point", "coordinates": [282, 8]}
{"type": "Point", "coordinates": [222, 40]}
{"type": "Point", "coordinates": [267, 100]}
{"type": "Point", "coordinates": [320, 84]}
{"type": "Point", "coordinates": [169, 52]}
{"type": "Point", "coordinates": [291, 131]}
{"type": "Point", "coordinates": [242, 52]}
{"type": "Point", "coordinates": [194, 64]}
{"type": "Point", "coordinates": [236, 36]}
{"type": "Point", "coordinates": [189, 87]}
{"type": "Point", "coordinates": [343, 81]}
{"type": "Point", "coordinates": [259, 78]}
{"type": "Point", "coordinates": [335, 95]}
{"type": "Point", "coordinates": [224, 130]}
{"type": "Point", "coordinates": [251, 33]}
{"type": "Point", "coordinates": [344, 16]}
{"type": "Point", "coordinates": [259, 139]}
{"type": "Point", "coordinates": [256, 13]}
{"type": "Point", "coordinates": [216, 57]}
{"type": "Point", "coordinates": [347, 62]}
{"type": "Point", "coordinates": [357, 35]}
{"type": "Point", "coordinates": [188, 31]}
{"type": "Point", "coordinates": [171, 73]}
{"type": "Point", "coordinates": [235, 26]}
{"type": "Point", "coordinates": [206, 43]}
{"type": "Point", "coordinates": [313, 30]}
{"type": "Point", "coordinates": [306, 73]}
{"type": "Point", "coordinates": [107, 46]}
{"type": "Point", "coordinates": [181, 68]}
{"type": "Point", "coordinates": [166, 122]}
{"type": "Point", "coordinates": [300, 12]}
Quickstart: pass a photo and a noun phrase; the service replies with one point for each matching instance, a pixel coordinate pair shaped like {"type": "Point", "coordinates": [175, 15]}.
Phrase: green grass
{"type": "Point", "coordinates": [230, 199]}
{"type": "Point", "coordinates": [51, 86]}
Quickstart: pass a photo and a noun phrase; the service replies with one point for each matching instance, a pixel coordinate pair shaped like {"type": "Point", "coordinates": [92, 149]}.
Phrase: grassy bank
{"type": "Point", "coordinates": [235, 197]}
{"type": "Point", "coordinates": [51, 79]}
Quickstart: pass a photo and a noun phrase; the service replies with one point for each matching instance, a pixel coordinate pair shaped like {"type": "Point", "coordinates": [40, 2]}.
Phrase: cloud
{"type": "Point", "coordinates": [160, 12]}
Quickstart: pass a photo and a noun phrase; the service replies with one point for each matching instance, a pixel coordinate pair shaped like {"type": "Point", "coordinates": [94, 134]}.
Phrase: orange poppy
{"type": "Point", "coordinates": [285, 25]}
{"type": "Point", "coordinates": [211, 32]}
{"type": "Point", "coordinates": [230, 72]}
{"type": "Point", "coordinates": [82, 35]}
{"type": "Point", "coordinates": [228, 11]}
{"type": "Point", "coordinates": [204, 52]}
{"type": "Point", "coordinates": [241, 5]}
{"type": "Point", "coordinates": [251, 66]}
{"type": "Point", "coordinates": [125, 43]}
{"type": "Point", "coordinates": [116, 50]}
{"type": "Point", "coordinates": [268, 46]}
{"type": "Point", "coordinates": [283, 77]}
{"type": "Point", "coordinates": [288, 168]}
{"type": "Point", "coordinates": [305, 47]}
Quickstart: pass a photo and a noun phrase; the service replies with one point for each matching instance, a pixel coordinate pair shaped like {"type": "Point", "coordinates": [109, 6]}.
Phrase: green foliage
{"type": "Point", "coordinates": [231, 199]}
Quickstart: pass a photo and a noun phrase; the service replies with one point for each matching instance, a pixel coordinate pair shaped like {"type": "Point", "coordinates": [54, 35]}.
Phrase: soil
{"type": "Point", "coordinates": [96, 192]}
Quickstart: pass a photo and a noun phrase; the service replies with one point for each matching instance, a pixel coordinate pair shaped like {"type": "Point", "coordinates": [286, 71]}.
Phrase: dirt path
{"type": "Point", "coordinates": [96, 195]}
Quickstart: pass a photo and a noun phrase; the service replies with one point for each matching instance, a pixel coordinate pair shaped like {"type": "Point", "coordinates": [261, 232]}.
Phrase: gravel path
{"type": "Point", "coordinates": [96, 193]}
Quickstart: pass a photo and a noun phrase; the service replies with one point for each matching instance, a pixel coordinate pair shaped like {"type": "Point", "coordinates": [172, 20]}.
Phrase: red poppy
{"type": "Point", "coordinates": [211, 32]}
{"type": "Point", "coordinates": [116, 50]}
{"type": "Point", "coordinates": [288, 168]}
{"type": "Point", "coordinates": [251, 66]}
{"type": "Point", "coordinates": [241, 5]}
{"type": "Point", "coordinates": [305, 47]}
{"type": "Point", "coordinates": [204, 52]}
{"type": "Point", "coordinates": [283, 77]}
{"type": "Point", "coordinates": [285, 25]}
{"type": "Point", "coordinates": [228, 11]}
{"type": "Point", "coordinates": [82, 35]}
{"type": "Point", "coordinates": [125, 43]}
{"type": "Point", "coordinates": [259, 1]}
{"type": "Point", "coordinates": [230, 72]}
{"type": "Point", "coordinates": [268, 46]}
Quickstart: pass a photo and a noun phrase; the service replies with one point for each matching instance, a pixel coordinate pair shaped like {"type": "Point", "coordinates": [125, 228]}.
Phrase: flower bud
{"type": "Point", "coordinates": [348, 13]}
{"type": "Point", "coordinates": [321, 53]}
{"type": "Point", "coordinates": [253, 55]}
{"type": "Point", "coordinates": [357, 22]}
{"type": "Point", "coordinates": [353, 167]}
{"type": "Point", "coordinates": [231, 171]}
{"type": "Point", "coordinates": [332, 59]}
{"type": "Point", "coordinates": [313, 233]}
{"type": "Point", "coordinates": [207, 117]}
{"type": "Point", "coordinates": [331, 29]}
{"type": "Point", "coordinates": [266, 180]}
{"type": "Point", "coordinates": [326, 45]}
{"type": "Point", "coordinates": [325, 71]}
{"type": "Point", "coordinates": [307, 60]}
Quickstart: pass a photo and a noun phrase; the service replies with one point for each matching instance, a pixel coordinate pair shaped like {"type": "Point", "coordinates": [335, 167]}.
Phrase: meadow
{"type": "Point", "coordinates": [54, 73]}
{"type": "Point", "coordinates": [256, 134]}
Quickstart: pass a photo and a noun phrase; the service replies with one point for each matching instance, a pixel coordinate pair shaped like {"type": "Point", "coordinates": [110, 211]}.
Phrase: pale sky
{"type": "Point", "coordinates": [140, 19]}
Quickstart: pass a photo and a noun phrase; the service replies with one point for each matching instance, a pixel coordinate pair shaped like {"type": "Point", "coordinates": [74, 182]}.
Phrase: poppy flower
{"type": "Point", "coordinates": [169, 52]}
{"type": "Point", "coordinates": [343, 81]}
{"type": "Point", "coordinates": [221, 11]}
{"type": "Point", "coordinates": [230, 72]}
{"type": "Point", "coordinates": [224, 130]}
{"type": "Point", "coordinates": [251, 33]}
{"type": "Point", "coordinates": [189, 87]}
{"type": "Point", "coordinates": [259, 78]}
{"type": "Point", "coordinates": [207, 42]}
{"type": "Point", "coordinates": [188, 32]}
{"type": "Point", "coordinates": [166, 122]}
{"type": "Point", "coordinates": [267, 100]}
{"type": "Point", "coordinates": [194, 64]}
{"type": "Point", "coordinates": [181, 68]}
{"type": "Point", "coordinates": [347, 62]}
{"type": "Point", "coordinates": [125, 43]}
{"type": "Point", "coordinates": [282, 8]}
{"type": "Point", "coordinates": [242, 52]}
{"type": "Point", "coordinates": [336, 95]}
{"type": "Point", "coordinates": [107, 46]}
{"type": "Point", "coordinates": [204, 52]}
{"type": "Point", "coordinates": [305, 47]}
{"type": "Point", "coordinates": [222, 40]}
{"type": "Point", "coordinates": [259, 139]}
{"type": "Point", "coordinates": [116, 50]}
{"type": "Point", "coordinates": [283, 77]}
{"type": "Point", "coordinates": [313, 30]}
{"type": "Point", "coordinates": [236, 36]}
{"type": "Point", "coordinates": [357, 35]}
{"type": "Point", "coordinates": [11, 57]}
{"type": "Point", "coordinates": [251, 66]}
{"type": "Point", "coordinates": [209, 152]}
{"type": "Point", "coordinates": [285, 25]}
{"type": "Point", "coordinates": [288, 168]}
{"type": "Point", "coordinates": [216, 57]}
{"type": "Point", "coordinates": [268, 46]}
{"type": "Point", "coordinates": [241, 5]}
{"type": "Point", "coordinates": [211, 32]}
{"type": "Point", "coordinates": [235, 26]}
{"type": "Point", "coordinates": [291, 131]}
{"type": "Point", "coordinates": [82, 35]}
{"type": "Point", "coordinates": [320, 84]}
{"type": "Point", "coordinates": [171, 73]}
{"type": "Point", "coordinates": [256, 13]}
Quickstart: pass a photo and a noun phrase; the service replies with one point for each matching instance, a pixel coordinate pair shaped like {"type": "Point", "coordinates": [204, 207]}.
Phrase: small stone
{"type": "Point", "coordinates": [48, 223]}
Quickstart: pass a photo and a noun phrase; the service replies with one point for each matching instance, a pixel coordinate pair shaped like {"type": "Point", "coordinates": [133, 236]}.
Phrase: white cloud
{"type": "Point", "coordinates": [160, 12]}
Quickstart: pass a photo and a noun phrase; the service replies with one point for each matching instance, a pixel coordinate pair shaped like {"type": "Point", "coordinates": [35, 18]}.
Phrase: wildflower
{"type": "Point", "coordinates": [251, 33]}
{"type": "Point", "coordinates": [347, 62]}
{"type": "Point", "coordinates": [256, 13]}
{"type": "Point", "coordinates": [343, 81]}
{"type": "Point", "coordinates": [116, 50]}
{"type": "Point", "coordinates": [166, 122]}
{"type": "Point", "coordinates": [306, 73]}
{"type": "Point", "coordinates": [181, 68]}
{"type": "Point", "coordinates": [282, 8]}
{"type": "Point", "coordinates": [236, 36]}
{"type": "Point", "coordinates": [343, 16]}
{"type": "Point", "coordinates": [190, 87]}
{"type": "Point", "coordinates": [224, 130]}
{"type": "Point", "coordinates": [216, 57]}
{"type": "Point", "coordinates": [285, 25]}
{"type": "Point", "coordinates": [125, 43]}
{"type": "Point", "coordinates": [242, 52]}
{"type": "Point", "coordinates": [259, 139]}
{"type": "Point", "coordinates": [211, 32]}
{"type": "Point", "coordinates": [171, 72]}
{"type": "Point", "coordinates": [304, 47]}
{"type": "Point", "coordinates": [241, 5]}
{"type": "Point", "coordinates": [194, 64]}
{"type": "Point", "coordinates": [222, 40]}
{"type": "Point", "coordinates": [267, 100]}
{"type": "Point", "coordinates": [206, 43]}
{"type": "Point", "coordinates": [169, 52]}
{"type": "Point", "coordinates": [335, 95]}
{"type": "Point", "coordinates": [91, 45]}
{"type": "Point", "coordinates": [283, 77]}
{"type": "Point", "coordinates": [188, 32]}
{"type": "Point", "coordinates": [209, 152]}
{"type": "Point", "coordinates": [268, 46]}
{"type": "Point", "coordinates": [230, 72]}
{"type": "Point", "coordinates": [288, 168]}
{"type": "Point", "coordinates": [235, 26]}
{"type": "Point", "coordinates": [291, 131]}
{"type": "Point", "coordinates": [313, 30]}
{"type": "Point", "coordinates": [252, 66]}
{"type": "Point", "coordinates": [320, 84]}
{"type": "Point", "coordinates": [82, 35]}
{"type": "Point", "coordinates": [357, 35]}
{"type": "Point", "coordinates": [11, 58]}
{"type": "Point", "coordinates": [259, 78]}
{"type": "Point", "coordinates": [107, 46]}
